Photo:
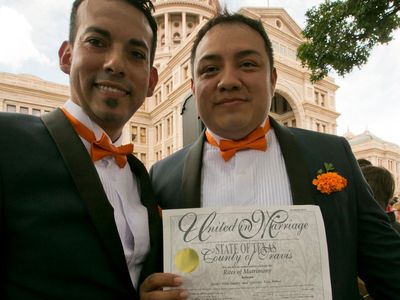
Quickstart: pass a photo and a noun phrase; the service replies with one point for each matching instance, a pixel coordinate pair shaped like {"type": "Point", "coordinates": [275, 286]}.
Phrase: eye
{"type": "Point", "coordinates": [209, 70]}
{"type": "Point", "coordinates": [248, 64]}
{"type": "Point", "coordinates": [137, 54]}
{"type": "Point", "coordinates": [96, 42]}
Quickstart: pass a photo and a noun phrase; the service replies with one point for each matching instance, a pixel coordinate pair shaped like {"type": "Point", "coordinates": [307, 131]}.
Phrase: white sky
{"type": "Point", "coordinates": [368, 98]}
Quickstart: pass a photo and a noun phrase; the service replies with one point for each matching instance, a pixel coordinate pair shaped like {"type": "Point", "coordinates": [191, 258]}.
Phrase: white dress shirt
{"type": "Point", "coordinates": [249, 178]}
{"type": "Point", "coordinates": [121, 188]}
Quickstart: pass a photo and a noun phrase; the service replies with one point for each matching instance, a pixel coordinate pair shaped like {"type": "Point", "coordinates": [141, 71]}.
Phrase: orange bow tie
{"type": "Point", "coordinates": [102, 147]}
{"type": "Point", "coordinates": [255, 140]}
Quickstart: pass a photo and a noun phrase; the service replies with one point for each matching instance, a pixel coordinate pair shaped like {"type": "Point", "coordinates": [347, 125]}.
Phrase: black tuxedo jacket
{"type": "Point", "coordinates": [58, 235]}
{"type": "Point", "coordinates": [359, 237]}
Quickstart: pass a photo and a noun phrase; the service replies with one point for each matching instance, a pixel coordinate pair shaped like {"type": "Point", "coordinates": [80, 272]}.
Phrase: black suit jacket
{"type": "Point", "coordinates": [359, 237]}
{"type": "Point", "coordinates": [58, 235]}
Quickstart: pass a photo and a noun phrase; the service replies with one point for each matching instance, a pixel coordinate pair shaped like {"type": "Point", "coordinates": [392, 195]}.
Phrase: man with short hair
{"type": "Point", "coordinates": [245, 158]}
{"type": "Point", "coordinates": [78, 217]}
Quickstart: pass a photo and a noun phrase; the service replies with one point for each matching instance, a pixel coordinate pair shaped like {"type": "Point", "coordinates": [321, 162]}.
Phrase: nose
{"type": "Point", "coordinates": [230, 80]}
{"type": "Point", "coordinates": [114, 63]}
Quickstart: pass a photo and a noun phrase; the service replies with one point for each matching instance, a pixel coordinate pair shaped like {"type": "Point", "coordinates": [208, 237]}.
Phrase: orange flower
{"type": "Point", "coordinates": [330, 182]}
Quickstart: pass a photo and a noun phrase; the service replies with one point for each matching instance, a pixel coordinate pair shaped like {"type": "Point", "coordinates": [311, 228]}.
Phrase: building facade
{"type": "Point", "coordinates": [378, 152]}
{"type": "Point", "coordinates": [157, 129]}
{"type": "Point", "coordinates": [31, 95]}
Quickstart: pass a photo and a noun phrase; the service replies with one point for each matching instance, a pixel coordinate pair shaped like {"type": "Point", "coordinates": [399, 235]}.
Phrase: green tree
{"type": "Point", "coordinates": [341, 34]}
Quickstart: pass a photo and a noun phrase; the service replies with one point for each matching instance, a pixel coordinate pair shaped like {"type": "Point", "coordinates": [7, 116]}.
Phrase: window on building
{"type": "Point", "coordinates": [322, 99]}
{"type": "Point", "coordinates": [143, 135]}
{"type": "Point", "coordinates": [316, 97]}
{"type": "Point", "coordinates": [158, 155]}
{"type": "Point", "coordinates": [24, 110]}
{"type": "Point", "coordinates": [36, 112]}
{"type": "Point", "coordinates": [176, 38]}
{"type": "Point", "coordinates": [11, 108]}
{"type": "Point", "coordinates": [167, 88]}
{"type": "Point", "coordinates": [160, 135]}
{"type": "Point", "coordinates": [134, 130]}
{"type": "Point", "coordinates": [185, 72]}
{"type": "Point", "coordinates": [172, 125]}
{"type": "Point", "coordinates": [157, 98]}
{"type": "Point", "coordinates": [390, 165]}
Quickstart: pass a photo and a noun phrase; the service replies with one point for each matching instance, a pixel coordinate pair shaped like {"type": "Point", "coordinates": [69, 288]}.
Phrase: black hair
{"type": "Point", "coordinates": [227, 18]}
{"type": "Point", "coordinates": [145, 6]}
{"type": "Point", "coordinates": [381, 183]}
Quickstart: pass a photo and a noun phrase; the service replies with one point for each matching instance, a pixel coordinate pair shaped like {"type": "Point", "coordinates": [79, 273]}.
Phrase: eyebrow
{"type": "Point", "coordinates": [238, 55]}
{"type": "Point", "coordinates": [105, 33]}
{"type": "Point", "coordinates": [97, 30]}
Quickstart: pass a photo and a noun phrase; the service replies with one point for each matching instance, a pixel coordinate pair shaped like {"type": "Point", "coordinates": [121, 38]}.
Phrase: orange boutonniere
{"type": "Point", "coordinates": [329, 181]}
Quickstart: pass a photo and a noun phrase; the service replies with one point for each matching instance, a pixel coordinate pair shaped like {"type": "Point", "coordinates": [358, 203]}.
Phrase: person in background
{"type": "Point", "coordinates": [78, 216]}
{"type": "Point", "coordinates": [382, 184]}
{"type": "Point", "coordinates": [396, 210]}
{"type": "Point", "coordinates": [245, 158]}
{"type": "Point", "coordinates": [363, 162]}
{"type": "Point", "coordinates": [392, 202]}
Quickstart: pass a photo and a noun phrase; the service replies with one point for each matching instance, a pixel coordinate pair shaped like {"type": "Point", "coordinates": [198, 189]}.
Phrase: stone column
{"type": "Point", "coordinates": [167, 30]}
{"type": "Point", "coordinates": [184, 26]}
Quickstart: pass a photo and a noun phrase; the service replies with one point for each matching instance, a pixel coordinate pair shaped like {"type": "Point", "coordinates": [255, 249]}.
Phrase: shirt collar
{"type": "Point", "coordinates": [77, 112]}
{"type": "Point", "coordinates": [218, 138]}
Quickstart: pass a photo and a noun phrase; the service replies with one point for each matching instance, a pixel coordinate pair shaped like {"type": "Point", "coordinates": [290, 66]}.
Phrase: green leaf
{"type": "Point", "coordinates": [329, 167]}
{"type": "Point", "coordinates": [341, 34]}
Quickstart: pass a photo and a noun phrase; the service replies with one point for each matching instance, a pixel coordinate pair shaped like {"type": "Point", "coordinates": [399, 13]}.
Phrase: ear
{"type": "Point", "coordinates": [152, 81]}
{"type": "Point", "coordinates": [192, 87]}
{"type": "Point", "coordinates": [65, 57]}
{"type": "Point", "coordinates": [274, 78]}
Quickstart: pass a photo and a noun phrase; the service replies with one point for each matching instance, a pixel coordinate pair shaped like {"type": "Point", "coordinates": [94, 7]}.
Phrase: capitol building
{"type": "Point", "coordinates": [167, 121]}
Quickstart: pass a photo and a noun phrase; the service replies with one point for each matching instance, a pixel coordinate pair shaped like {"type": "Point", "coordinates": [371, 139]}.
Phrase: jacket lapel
{"type": "Point", "coordinates": [88, 184]}
{"type": "Point", "coordinates": [154, 260]}
{"type": "Point", "coordinates": [296, 167]}
{"type": "Point", "coordinates": [191, 175]}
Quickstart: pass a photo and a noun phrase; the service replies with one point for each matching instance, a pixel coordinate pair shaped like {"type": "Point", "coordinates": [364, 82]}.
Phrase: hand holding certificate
{"type": "Point", "coordinates": [248, 253]}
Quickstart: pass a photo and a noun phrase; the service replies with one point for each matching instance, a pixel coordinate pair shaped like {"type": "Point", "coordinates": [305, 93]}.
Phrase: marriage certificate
{"type": "Point", "coordinates": [248, 253]}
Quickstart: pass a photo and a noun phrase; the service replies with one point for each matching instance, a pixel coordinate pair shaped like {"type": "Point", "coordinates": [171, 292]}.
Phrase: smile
{"type": "Point", "coordinates": [112, 89]}
{"type": "Point", "coordinates": [230, 101]}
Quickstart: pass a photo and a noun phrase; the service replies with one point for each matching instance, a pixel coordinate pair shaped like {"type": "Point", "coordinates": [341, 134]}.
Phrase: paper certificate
{"type": "Point", "coordinates": [248, 253]}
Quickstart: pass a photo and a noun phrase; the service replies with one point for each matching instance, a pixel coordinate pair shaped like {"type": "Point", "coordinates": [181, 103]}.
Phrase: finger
{"type": "Point", "coordinates": [174, 294]}
{"type": "Point", "coordinates": [158, 281]}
